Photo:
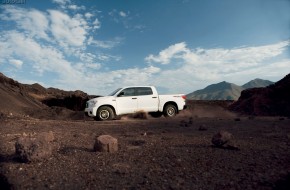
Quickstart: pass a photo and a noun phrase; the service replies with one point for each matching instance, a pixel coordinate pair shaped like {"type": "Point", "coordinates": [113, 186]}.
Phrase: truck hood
{"type": "Point", "coordinates": [102, 98]}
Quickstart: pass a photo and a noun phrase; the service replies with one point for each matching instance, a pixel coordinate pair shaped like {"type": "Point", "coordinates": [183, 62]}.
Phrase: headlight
{"type": "Point", "coordinates": [92, 103]}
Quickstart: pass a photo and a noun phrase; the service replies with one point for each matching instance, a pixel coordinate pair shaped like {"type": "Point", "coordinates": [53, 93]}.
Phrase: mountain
{"type": "Point", "coordinates": [225, 90]}
{"type": "Point", "coordinates": [256, 83]}
{"type": "Point", "coordinates": [272, 100]}
{"type": "Point", "coordinates": [219, 91]}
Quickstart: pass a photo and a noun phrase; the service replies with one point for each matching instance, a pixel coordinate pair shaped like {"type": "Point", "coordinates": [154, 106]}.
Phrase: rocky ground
{"type": "Point", "coordinates": [153, 153]}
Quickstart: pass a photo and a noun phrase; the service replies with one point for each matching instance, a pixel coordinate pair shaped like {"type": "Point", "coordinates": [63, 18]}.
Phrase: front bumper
{"type": "Point", "coordinates": [91, 112]}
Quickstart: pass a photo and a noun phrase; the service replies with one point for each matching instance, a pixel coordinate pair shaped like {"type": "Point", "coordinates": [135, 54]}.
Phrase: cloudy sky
{"type": "Point", "coordinates": [177, 45]}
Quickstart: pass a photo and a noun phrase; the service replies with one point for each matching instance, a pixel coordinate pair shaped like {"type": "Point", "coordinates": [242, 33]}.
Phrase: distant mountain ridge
{"type": "Point", "coordinates": [225, 90]}
{"type": "Point", "coordinates": [257, 83]}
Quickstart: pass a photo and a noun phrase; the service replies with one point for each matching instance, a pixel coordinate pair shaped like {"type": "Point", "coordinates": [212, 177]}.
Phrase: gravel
{"type": "Point", "coordinates": [152, 154]}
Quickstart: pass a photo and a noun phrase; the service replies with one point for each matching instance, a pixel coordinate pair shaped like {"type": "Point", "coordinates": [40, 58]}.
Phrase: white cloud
{"type": "Point", "coordinates": [75, 7]}
{"type": "Point", "coordinates": [234, 58]}
{"type": "Point", "coordinates": [109, 44]}
{"type": "Point", "coordinates": [106, 57]}
{"type": "Point", "coordinates": [68, 30]}
{"type": "Point", "coordinates": [42, 58]}
{"type": "Point", "coordinates": [17, 63]}
{"type": "Point", "coordinates": [122, 17]}
{"type": "Point", "coordinates": [122, 14]}
{"type": "Point", "coordinates": [61, 2]}
{"type": "Point", "coordinates": [33, 22]}
{"type": "Point", "coordinates": [87, 57]}
{"type": "Point", "coordinates": [97, 24]}
{"type": "Point", "coordinates": [89, 15]}
{"type": "Point", "coordinates": [165, 56]}
{"type": "Point", "coordinates": [93, 65]}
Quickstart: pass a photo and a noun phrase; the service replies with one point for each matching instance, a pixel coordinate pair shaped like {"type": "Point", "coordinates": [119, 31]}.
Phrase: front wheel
{"type": "Point", "coordinates": [105, 113]}
{"type": "Point", "coordinates": [170, 110]}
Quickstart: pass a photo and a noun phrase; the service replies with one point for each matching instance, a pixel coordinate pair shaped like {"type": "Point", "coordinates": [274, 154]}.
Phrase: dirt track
{"type": "Point", "coordinates": [153, 154]}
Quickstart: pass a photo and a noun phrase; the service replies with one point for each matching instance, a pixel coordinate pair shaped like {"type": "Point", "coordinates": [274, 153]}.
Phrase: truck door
{"type": "Point", "coordinates": [126, 101]}
{"type": "Point", "coordinates": [146, 100]}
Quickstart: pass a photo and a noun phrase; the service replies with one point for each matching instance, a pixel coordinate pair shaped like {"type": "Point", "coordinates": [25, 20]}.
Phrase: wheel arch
{"type": "Point", "coordinates": [171, 103]}
{"type": "Point", "coordinates": [108, 105]}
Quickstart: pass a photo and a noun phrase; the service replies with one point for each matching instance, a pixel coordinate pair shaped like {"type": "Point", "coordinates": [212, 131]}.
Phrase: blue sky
{"type": "Point", "coordinates": [177, 45]}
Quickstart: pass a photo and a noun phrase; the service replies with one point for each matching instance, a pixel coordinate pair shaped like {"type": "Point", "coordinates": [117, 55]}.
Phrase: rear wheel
{"type": "Point", "coordinates": [105, 113]}
{"type": "Point", "coordinates": [170, 110]}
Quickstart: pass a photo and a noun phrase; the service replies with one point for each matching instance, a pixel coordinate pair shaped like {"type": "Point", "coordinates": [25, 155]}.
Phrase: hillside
{"type": "Point", "coordinates": [225, 90]}
{"type": "Point", "coordinates": [268, 101]}
{"type": "Point", "coordinates": [14, 96]}
{"type": "Point", "coordinates": [35, 100]}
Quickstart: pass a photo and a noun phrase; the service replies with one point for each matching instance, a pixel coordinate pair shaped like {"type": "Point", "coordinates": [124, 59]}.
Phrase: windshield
{"type": "Point", "coordinates": [115, 91]}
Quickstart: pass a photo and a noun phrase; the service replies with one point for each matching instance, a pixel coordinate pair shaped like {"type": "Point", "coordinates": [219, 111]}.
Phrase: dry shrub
{"type": "Point", "coordinates": [137, 115]}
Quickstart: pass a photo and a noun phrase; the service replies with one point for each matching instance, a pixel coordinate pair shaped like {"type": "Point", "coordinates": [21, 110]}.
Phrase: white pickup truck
{"type": "Point", "coordinates": [132, 99]}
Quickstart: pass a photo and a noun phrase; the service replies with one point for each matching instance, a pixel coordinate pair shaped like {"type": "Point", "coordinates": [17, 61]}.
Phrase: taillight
{"type": "Point", "coordinates": [183, 96]}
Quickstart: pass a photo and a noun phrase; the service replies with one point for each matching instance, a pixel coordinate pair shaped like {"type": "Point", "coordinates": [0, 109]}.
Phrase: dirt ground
{"type": "Point", "coordinates": [153, 153]}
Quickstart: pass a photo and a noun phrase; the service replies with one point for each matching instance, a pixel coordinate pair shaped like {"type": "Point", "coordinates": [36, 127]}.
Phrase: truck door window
{"type": "Point", "coordinates": [127, 92]}
{"type": "Point", "coordinates": [142, 91]}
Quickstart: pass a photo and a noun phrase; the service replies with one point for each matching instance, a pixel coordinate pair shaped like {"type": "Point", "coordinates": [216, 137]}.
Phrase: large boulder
{"type": "Point", "coordinates": [106, 143]}
{"type": "Point", "coordinates": [29, 149]}
{"type": "Point", "coordinates": [222, 138]}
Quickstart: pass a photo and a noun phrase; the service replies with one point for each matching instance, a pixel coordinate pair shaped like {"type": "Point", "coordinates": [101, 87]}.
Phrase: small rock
{"type": "Point", "coordinates": [106, 143]}
{"type": "Point", "coordinates": [237, 119]}
{"type": "Point", "coordinates": [221, 138]}
{"type": "Point", "coordinates": [202, 127]}
{"type": "Point", "coordinates": [29, 149]}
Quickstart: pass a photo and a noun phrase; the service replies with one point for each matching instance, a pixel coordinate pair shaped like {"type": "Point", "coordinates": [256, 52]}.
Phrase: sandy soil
{"type": "Point", "coordinates": [153, 153]}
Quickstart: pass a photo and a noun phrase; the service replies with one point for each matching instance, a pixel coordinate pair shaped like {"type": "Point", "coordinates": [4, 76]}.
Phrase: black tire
{"type": "Point", "coordinates": [105, 113]}
{"type": "Point", "coordinates": [155, 114]}
{"type": "Point", "coordinates": [170, 110]}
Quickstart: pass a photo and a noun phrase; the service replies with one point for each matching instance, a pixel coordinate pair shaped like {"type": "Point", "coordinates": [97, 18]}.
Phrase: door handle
{"type": "Point", "coordinates": [154, 97]}
{"type": "Point", "coordinates": [134, 98]}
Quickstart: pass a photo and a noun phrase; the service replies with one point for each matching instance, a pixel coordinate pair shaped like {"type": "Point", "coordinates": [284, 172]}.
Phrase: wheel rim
{"type": "Point", "coordinates": [104, 114]}
{"type": "Point", "coordinates": [171, 111]}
